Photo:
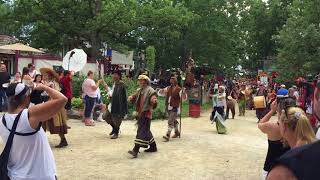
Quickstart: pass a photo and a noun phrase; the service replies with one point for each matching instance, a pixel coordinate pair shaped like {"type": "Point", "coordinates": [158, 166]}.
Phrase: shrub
{"type": "Point", "coordinates": [77, 103]}
{"type": "Point", "coordinates": [77, 85]}
{"type": "Point", "coordinates": [132, 86]}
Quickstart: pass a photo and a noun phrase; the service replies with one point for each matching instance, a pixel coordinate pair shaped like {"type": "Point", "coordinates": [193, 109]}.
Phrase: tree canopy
{"type": "Point", "coordinates": [222, 34]}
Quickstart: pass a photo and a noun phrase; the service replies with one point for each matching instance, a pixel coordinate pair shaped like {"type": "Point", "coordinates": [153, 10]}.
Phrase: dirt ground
{"type": "Point", "coordinates": [201, 153]}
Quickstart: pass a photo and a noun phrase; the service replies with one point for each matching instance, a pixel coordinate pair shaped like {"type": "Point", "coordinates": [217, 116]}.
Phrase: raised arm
{"type": "Point", "coordinates": [264, 124]}
{"type": "Point", "coordinates": [96, 86]}
{"type": "Point", "coordinates": [45, 111]}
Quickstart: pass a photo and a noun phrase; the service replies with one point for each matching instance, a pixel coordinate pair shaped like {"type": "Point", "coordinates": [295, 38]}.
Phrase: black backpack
{"type": "Point", "coordinates": [4, 157]}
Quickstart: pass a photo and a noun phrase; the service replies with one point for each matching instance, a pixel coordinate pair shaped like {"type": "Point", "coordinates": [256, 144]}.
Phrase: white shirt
{"type": "Point", "coordinates": [33, 73]}
{"type": "Point", "coordinates": [31, 157]}
{"type": "Point", "coordinates": [219, 100]}
{"type": "Point", "coordinates": [296, 94]}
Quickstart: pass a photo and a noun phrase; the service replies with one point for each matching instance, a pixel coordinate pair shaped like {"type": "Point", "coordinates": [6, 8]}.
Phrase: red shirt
{"type": "Point", "coordinates": [66, 83]}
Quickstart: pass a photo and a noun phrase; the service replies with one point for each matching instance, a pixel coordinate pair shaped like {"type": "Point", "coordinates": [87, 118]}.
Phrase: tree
{"type": "Point", "coordinates": [54, 24]}
{"type": "Point", "coordinates": [150, 58]}
{"type": "Point", "coordinates": [299, 41]}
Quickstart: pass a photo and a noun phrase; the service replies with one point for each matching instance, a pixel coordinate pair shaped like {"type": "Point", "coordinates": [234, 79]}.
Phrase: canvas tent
{"type": "Point", "coordinates": [122, 59]}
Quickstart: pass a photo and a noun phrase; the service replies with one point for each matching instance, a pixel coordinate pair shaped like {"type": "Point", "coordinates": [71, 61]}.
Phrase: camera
{"type": "Point", "coordinates": [285, 101]}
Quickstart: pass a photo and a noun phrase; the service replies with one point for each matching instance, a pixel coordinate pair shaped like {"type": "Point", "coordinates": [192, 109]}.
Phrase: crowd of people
{"type": "Point", "coordinates": [39, 101]}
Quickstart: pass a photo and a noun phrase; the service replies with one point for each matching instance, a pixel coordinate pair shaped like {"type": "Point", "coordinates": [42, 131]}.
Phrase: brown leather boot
{"type": "Point", "coordinates": [176, 135]}
{"type": "Point", "coordinates": [166, 138]}
{"type": "Point", "coordinates": [134, 152]}
{"type": "Point", "coordinates": [152, 148]}
{"type": "Point", "coordinates": [63, 143]}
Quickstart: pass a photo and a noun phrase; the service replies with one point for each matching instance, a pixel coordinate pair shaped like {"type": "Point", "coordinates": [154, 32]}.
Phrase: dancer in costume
{"type": "Point", "coordinates": [173, 95]}
{"type": "Point", "coordinates": [261, 112]}
{"type": "Point", "coordinates": [145, 100]}
{"type": "Point", "coordinates": [58, 124]}
{"type": "Point", "coordinates": [231, 102]}
{"type": "Point", "coordinates": [218, 104]}
{"type": "Point", "coordinates": [118, 107]}
{"type": "Point", "coordinates": [242, 100]}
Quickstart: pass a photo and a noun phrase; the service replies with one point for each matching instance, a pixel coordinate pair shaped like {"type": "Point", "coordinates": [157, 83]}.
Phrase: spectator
{"type": "Point", "coordinates": [90, 94]}
{"type": "Point", "coordinates": [36, 97]}
{"type": "Point", "coordinates": [17, 78]}
{"type": "Point", "coordinates": [26, 78]}
{"type": "Point", "coordinates": [299, 163]}
{"type": "Point", "coordinates": [282, 91]}
{"type": "Point", "coordinates": [4, 78]}
{"type": "Point", "coordinates": [296, 94]}
{"type": "Point", "coordinates": [32, 70]}
{"type": "Point", "coordinates": [31, 156]}
{"type": "Point", "coordinates": [275, 145]}
{"type": "Point", "coordinates": [295, 127]}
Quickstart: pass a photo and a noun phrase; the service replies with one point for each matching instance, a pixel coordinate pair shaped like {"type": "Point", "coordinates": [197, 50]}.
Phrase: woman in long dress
{"type": "Point", "coordinates": [58, 124]}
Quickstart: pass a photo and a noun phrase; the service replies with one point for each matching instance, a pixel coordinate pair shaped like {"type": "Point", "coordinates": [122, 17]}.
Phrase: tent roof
{"type": "Point", "coordinates": [4, 51]}
{"type": "Point", "coordinates": [20, 47]}
{"type": "Point", "coordinates": [123, 59]}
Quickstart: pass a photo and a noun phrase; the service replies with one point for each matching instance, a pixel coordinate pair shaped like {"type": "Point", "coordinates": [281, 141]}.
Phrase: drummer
{"type": "Point", "coordinates": [262, 111]}
{"type": "Point", "coordinates": [4, 79]}
{"type": "Point", "coordinates": [242, 100]}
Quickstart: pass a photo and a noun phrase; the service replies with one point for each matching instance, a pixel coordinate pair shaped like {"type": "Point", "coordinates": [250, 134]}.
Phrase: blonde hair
{"type": "Point", "coordinates": [298, 122]}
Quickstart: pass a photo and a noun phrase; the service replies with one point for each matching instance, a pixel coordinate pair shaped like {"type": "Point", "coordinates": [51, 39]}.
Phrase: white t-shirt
{"type": "Point", "coordinates": [31, 157]}
{"type": "Point", "coordinates": [33, 73]}
{"type": "Point", "coordinates": [296, 94]}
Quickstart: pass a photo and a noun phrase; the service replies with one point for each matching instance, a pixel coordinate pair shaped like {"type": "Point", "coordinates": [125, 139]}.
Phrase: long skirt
{"type": "Point", "coordinates": [144, 136]}
{"type": "Point", "coordinates": [57, 124]}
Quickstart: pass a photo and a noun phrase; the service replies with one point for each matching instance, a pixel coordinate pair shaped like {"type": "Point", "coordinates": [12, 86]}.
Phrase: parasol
{"type": "Point", "coordinates": [74, 60]}
{"type": "Point", "coordinates": [20, 47]}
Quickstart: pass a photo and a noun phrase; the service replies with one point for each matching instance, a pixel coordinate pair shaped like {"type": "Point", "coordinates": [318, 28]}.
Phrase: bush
{"type": "Point", "coordinates": [77, 85]}
{"type": "Point", "coordinates": [160, 111]}
{"type": "Point", "coordinates": [132, 86]}
{"type": "Point", "coordinates": [77, 103]}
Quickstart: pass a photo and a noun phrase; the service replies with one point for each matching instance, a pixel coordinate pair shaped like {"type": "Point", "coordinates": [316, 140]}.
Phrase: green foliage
{"type": "Point", "coordinates": [77, 103]}
{"type": "Point", "coordinates": [299, 42]}
{"type": "Point", "coordinates": [160, 111]}
{"type": "Point", "coordinates": [77, 85]}
{"type": "Point", "coordinates": [223, 34]}
{"type": "Point", "coordinates": [151, 58]}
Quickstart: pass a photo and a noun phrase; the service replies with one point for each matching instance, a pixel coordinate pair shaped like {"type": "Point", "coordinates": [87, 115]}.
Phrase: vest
{"type": "Point", "coordinates": [174, 93]}
{"type": "Point", "coordinates": [303, 161]}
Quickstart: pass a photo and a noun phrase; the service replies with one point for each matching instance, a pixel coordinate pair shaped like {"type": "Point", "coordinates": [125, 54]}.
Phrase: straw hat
{"type": "Point", "coordinates": [51, 73]}
{"type": "Point", "coordinates": [144, 77]}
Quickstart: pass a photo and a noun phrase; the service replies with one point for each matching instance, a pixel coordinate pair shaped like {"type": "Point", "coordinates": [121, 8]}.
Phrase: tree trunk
{"type": "Point", "coordinates": [95, 40]}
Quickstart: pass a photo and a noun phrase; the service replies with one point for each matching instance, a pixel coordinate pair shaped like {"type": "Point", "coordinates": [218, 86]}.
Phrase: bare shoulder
{"type": "Point", "coordinates": [281, 173]}
{"type": "Point", "coordinates": [268, 127]}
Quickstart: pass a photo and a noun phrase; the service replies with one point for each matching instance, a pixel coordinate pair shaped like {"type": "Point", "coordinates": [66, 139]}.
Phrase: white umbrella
{"type": "Point", "coordinates": [74, 60]}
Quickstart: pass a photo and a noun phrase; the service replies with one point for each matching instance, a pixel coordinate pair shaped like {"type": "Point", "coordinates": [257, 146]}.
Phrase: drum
{"type": "Point", "coordinates": [259, 102]}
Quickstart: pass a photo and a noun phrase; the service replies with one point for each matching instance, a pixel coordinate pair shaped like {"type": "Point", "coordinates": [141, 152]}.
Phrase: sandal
{"type": "Point", "coordinates": [89, 122]}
